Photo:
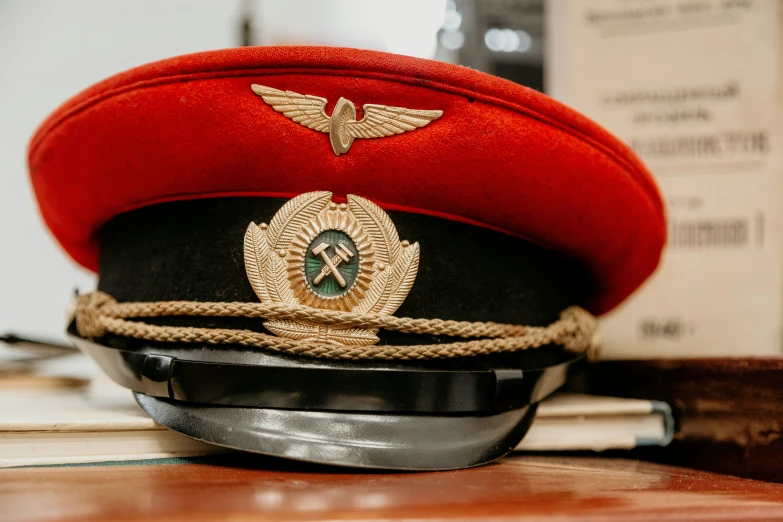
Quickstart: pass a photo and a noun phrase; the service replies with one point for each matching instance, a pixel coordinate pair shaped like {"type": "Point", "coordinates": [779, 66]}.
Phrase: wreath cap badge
{"type": "Point", "coordinates": [321, 254]}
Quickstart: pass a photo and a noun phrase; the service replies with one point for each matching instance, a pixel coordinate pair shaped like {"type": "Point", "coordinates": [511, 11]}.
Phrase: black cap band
{"type": "Point", "coordinates": [192, 251]}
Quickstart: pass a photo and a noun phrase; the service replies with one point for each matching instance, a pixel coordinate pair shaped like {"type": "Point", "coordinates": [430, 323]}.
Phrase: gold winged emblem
{"type": "Point", "coordinates": [317, 253]}
{"type": "Point", "coordinates": [342, 127]}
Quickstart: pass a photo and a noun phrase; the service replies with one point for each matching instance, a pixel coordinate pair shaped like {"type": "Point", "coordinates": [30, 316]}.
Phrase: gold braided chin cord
{"type": "Point", "coordinates": [98, 313]}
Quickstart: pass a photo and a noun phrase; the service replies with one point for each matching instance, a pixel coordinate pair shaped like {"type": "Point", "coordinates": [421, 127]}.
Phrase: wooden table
{"type": "Point", "coordinates": [517, 488]}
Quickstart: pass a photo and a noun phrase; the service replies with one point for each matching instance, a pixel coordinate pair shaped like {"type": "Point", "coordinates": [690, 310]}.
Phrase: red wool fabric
{"type": "Point", "coordinates": [502, 156]}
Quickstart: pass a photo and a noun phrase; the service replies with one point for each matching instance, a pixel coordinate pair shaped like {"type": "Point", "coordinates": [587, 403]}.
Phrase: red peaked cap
{"type": "Point", "coordinates": [502, 156]}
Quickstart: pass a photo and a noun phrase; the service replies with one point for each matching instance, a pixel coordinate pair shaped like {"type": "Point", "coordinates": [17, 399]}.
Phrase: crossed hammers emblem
{"type": "Point", "coordinates": [342, 254]}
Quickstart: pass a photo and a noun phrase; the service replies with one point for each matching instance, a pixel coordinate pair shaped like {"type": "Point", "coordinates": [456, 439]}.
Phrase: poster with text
{"type": "Point", "coordinates": [693, 86]}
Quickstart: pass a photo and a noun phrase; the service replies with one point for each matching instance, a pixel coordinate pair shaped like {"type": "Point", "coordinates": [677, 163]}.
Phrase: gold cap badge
{"type": "Point", "coordinates": [342, 127]}
{"type": "Point", "coordinates": [317, 253]}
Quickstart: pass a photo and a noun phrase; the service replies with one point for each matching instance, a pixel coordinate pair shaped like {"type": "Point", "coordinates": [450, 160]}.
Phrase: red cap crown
{"type": "Point", "coordinates": [501, 155]}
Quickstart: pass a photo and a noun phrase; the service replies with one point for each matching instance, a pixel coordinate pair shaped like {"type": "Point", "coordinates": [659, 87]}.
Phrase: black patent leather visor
{"type": "Point", "coordinates": [315, 411]}
{"type": "Point", "coordinates": [301, 387]}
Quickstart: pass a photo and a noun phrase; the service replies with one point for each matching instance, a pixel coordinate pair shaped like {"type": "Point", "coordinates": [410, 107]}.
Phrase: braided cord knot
{"type": "Point", "coordinates": [89, 315]}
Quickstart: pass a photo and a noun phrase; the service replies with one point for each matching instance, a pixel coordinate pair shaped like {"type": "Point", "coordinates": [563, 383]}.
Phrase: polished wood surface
{"type": "Point", "coordinates": [517, 488]}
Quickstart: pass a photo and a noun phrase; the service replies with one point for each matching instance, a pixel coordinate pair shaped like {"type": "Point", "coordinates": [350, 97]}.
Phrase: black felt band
{"type": "Point", "coordinates": [193, 250]}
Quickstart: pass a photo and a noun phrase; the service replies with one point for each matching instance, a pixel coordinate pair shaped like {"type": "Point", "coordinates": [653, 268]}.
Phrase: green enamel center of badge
{"type": "Point", "coordinates": [331, 264]}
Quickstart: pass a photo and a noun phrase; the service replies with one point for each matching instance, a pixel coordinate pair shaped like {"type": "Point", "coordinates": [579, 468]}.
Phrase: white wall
{"type": "Point", "coordinates": [50, 51]}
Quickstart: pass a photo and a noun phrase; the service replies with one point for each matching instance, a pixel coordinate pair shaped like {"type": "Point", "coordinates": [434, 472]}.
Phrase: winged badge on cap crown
{"type": "Point", "coordinates": [342, 127]}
